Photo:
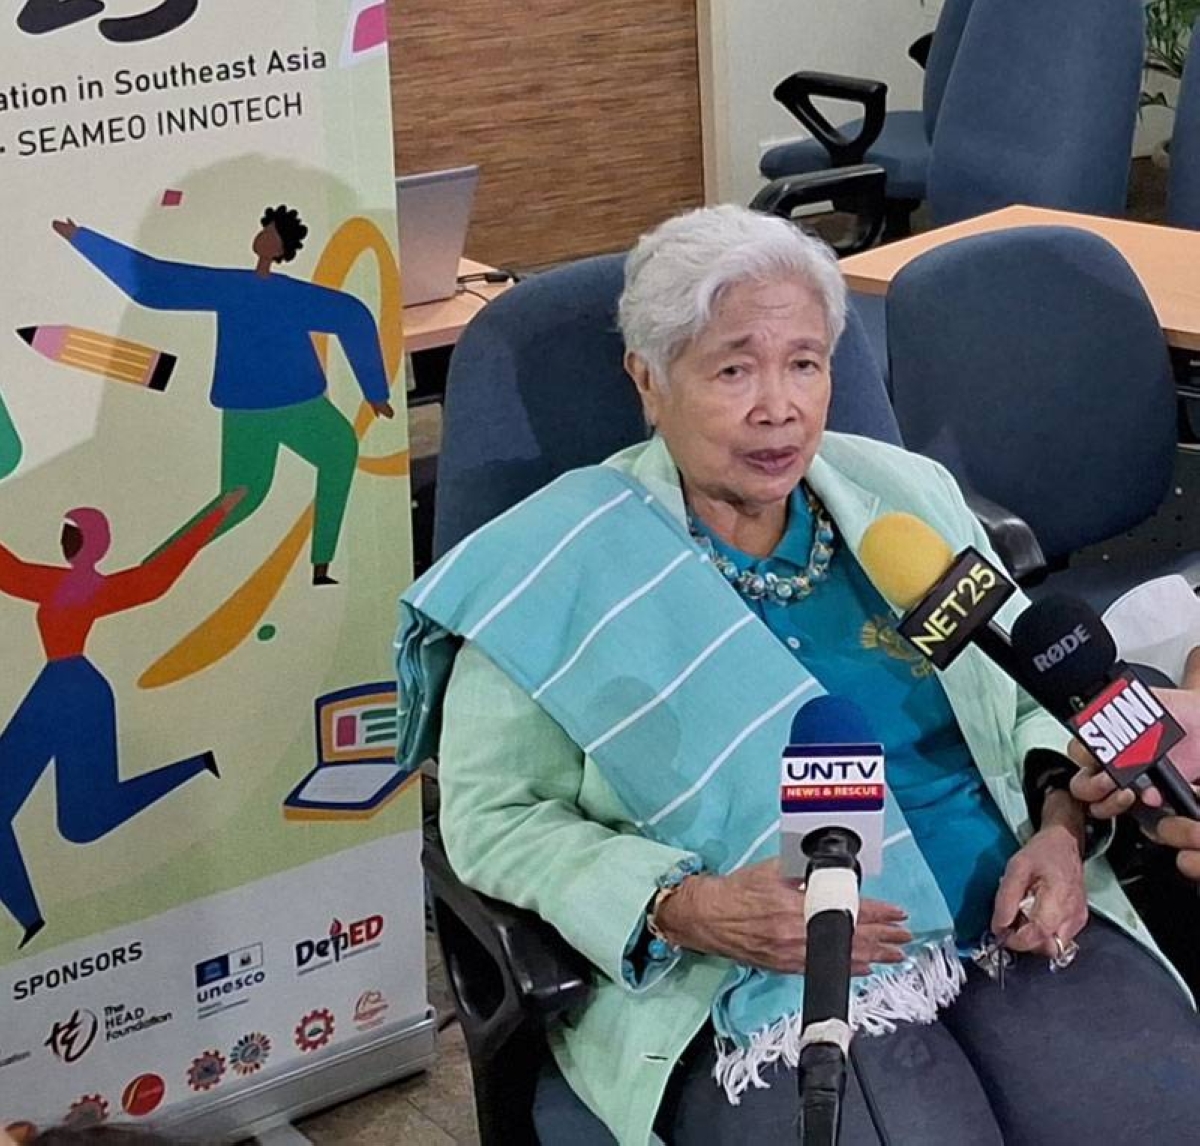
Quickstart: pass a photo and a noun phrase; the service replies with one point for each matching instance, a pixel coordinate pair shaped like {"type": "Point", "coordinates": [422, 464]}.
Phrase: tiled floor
{"type": "Point", "coordinates": [431, 1109]}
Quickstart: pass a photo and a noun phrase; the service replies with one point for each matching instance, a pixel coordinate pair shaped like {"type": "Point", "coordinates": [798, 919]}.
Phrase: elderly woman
{"type": "Point", "coordinates": [621, 656]}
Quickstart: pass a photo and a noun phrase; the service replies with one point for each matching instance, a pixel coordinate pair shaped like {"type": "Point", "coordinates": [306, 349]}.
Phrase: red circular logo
{"type": "Point", "coordinates": [143, 1095]}
{"type": "Point", "coordinates": [87, 1111]}
{"type": "Point", "coordinates": [314, 1030]}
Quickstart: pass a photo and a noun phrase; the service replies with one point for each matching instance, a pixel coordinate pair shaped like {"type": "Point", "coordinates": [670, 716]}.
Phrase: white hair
{"type": "Point", "coordinates": [676, 274]}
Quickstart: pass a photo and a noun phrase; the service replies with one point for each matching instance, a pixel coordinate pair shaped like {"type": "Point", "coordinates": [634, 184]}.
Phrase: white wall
{"type": "Point", "coordinates": [752, 44]}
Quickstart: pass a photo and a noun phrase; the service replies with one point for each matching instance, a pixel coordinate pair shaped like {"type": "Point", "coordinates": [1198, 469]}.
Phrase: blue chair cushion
{"type": "Point", "coordinates": [902, 150]}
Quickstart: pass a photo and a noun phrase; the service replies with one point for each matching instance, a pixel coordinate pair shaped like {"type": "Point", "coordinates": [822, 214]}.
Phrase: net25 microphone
{"type": "Point", "coordinates": [832, 796]}
{"type": "Point", "coordinates": [948, 601]}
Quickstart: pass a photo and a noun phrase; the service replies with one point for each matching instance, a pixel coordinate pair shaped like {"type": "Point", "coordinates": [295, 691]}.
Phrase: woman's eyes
{"type": "Point", "coordinates": [734, 370]}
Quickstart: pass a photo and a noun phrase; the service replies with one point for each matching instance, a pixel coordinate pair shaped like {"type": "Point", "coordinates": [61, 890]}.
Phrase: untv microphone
{"type": "Point", "coordinates": [832, 797]}
{"type": "Point", "coordinates": [1108, 704]}
{"type": "Point", "coordinates": [832, 775]}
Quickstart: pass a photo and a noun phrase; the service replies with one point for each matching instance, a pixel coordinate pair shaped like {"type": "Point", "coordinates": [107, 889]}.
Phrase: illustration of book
{"type": "Point", "coordinates": [102, 354]}
{"type": "Point", "coordinates": [356, 772]}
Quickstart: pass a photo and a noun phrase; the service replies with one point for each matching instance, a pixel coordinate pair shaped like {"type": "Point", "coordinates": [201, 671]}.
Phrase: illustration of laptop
{"type": "Point", "coordinates": [434, 210]}
{"type": "Point", "coordinates": [356, 772]}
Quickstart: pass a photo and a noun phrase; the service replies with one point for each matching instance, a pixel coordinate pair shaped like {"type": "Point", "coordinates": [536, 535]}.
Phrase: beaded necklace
{"type": "Point", "coordinates": [770, 586]}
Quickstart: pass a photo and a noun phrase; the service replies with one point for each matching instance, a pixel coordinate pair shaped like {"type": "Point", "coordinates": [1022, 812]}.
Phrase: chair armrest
{"type": "Point", "coordinates": [918, 50]}
{"type": "Point", "coordinates": [796, 94]}
{"type": "Point", "coordinates": [859, 190]}
{"type": "Point", "coordinates": [1010, 535]}
{"type": "Point", "coordinates": [505, 964]}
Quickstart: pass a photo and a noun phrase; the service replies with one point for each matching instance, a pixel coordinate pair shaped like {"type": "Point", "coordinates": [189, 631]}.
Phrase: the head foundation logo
{"type": "Point", "coordinates": [71, 1038]}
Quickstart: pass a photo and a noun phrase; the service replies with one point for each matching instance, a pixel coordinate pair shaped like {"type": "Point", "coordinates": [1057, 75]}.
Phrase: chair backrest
{"type": "Point", "coordinates": [1039, 108]}
{"type": "Point", "coordinates": [946, 37]}
{"type": "Point", "coordinates": [537, 386]}
{"type": "Point", "coordinates": [1183, 185]}
{"type": "Point", "coordinates": [1031, 364]}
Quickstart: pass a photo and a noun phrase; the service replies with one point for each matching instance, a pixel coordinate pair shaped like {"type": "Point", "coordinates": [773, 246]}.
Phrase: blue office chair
{"type": "Point", "coordinates": [898, 141]}
{"type": "Point", "coordinates": [1183, 184]}
{"type": "Point", "coordinates": [1030, 363]}
{"type": "Point", "coordinates": [1039, 108]}
{"type": "Point", "coordinates": [537, 386]}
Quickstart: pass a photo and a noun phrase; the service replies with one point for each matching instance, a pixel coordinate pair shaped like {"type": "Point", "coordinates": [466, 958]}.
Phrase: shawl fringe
{"type": "Point", "coordinates": [912, 993]}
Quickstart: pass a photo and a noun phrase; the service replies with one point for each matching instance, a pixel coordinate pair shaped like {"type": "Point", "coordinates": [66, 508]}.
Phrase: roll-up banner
{"type": "Point", "coordinates": [210, 892]}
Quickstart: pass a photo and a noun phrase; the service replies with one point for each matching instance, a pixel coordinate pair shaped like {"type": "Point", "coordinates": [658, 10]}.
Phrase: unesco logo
{"type": "Point", "coordinates": [223, 980]}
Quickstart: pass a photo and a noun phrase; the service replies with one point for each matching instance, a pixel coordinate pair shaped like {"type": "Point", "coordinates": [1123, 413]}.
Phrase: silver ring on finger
{"type": "Point", "coordinates": [1065, 953]}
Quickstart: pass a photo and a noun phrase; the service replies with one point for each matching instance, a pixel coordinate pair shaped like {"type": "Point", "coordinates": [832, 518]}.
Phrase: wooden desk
{"type": "Point", "coordinates": [1166, 259]}
{"type": "Point", "coordinates": [440, 323]}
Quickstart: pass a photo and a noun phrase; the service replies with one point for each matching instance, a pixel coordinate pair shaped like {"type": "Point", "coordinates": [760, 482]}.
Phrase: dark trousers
{"type": "Point", "coordinates": [1107, 1051]}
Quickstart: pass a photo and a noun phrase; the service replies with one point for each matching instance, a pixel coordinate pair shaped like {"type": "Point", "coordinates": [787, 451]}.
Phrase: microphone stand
{"type": "Point", "coordinates": [830, 914]}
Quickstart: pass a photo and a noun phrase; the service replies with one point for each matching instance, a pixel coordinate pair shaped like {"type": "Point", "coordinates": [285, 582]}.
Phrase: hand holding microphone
{"type": "Point", "coordinates": [1060, 651]}
{"type": "Point", "coordinates": [1105, 801]}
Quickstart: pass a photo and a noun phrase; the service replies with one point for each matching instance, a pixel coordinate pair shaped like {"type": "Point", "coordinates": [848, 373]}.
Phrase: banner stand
{"type": "Point", "coordinates": [211, 896]}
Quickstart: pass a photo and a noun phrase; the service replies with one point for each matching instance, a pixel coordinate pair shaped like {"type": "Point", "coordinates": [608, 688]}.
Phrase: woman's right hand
{"type": "Point", "coordinates": [755, 916]}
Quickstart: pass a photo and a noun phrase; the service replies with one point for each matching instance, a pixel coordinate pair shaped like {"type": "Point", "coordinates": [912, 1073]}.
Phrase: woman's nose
{"type": "Point", "coordinates": [775, 398]}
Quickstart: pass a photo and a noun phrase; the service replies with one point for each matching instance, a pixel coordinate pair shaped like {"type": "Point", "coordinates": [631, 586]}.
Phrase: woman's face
{"type": "Point", "coordinates": [745, 404]}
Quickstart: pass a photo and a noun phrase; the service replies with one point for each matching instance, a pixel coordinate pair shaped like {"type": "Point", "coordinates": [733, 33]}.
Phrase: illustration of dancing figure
{"type": "Point", "coordinates": [69, 714]}
{"type": "Point", "coordinates": [268, 382]}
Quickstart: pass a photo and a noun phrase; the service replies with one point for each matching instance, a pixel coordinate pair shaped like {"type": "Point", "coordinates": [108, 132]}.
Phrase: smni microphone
{"type": "Point", "coordinates": [1107, 703]}
{"type": "Point", "coordinates": [832, 797]}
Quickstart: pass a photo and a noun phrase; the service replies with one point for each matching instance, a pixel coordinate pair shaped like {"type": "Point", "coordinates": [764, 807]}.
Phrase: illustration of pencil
{"type": "Point", "coordinates": [113, 358]}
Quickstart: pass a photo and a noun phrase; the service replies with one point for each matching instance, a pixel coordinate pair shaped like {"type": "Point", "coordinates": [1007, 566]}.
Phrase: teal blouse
{"type": "Point", "coordinates": [844, 634]}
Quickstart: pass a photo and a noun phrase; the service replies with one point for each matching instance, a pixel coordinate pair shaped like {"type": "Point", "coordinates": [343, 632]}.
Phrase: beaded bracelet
{"type": "Point", "coordinates": [660, 948]}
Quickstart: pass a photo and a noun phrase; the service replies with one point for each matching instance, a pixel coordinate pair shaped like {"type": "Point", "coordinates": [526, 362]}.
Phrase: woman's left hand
{"type": "Point", "coordinates": [1048, 867]}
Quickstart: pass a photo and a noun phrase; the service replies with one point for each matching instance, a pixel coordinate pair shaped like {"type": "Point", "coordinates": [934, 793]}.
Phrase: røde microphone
{"type": "Point", "coordinates": [1108, 704]}
{"type": "Point", "coordinates": [832, 796]}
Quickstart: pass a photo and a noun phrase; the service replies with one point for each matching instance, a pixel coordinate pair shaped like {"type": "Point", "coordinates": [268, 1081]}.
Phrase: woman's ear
{"type": "Point", "coordinates": [639, 370]}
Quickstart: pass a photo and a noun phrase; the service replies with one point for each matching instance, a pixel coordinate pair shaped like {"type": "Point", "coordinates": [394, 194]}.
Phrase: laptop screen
{"type": "Point", "coordinates": [434, 209]}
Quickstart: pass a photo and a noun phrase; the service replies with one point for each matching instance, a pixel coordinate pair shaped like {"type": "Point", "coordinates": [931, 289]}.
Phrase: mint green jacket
{"type": "Point", "coordinates": [527, 818]}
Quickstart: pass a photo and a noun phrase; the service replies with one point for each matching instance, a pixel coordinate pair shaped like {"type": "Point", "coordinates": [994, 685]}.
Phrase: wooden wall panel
{"type": "Point", "coordinates": [585, 118]}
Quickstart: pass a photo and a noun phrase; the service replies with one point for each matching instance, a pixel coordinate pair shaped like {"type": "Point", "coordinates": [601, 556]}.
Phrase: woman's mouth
{"type": "Point", "coordinates": [771, 462]}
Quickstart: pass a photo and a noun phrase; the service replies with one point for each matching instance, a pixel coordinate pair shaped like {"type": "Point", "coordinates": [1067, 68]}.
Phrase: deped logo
{"type": "Point", "coordinates": [343, 941]}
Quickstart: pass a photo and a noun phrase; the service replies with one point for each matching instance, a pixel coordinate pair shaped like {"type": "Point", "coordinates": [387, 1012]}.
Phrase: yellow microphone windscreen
{"type": "Point", "coordinates": [904, 557]}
